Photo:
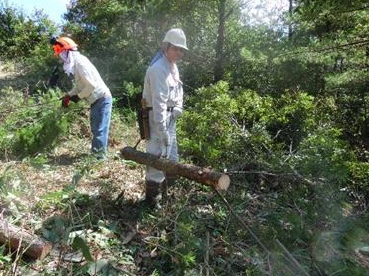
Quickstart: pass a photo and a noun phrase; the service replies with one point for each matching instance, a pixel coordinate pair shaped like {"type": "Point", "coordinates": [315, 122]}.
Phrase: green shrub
{"type": "Point", "coordinates": [206, 130]}
{"type": "Point", "coordinates": [221, 126]}
{"type": "Point", "coordinates": [291, 117]}
{"type": "Point", "coordinates": [359, 177]}
{"type": "Point", "coordinates": [33, 124]}
{"type": "Point", "coordinates": [41, 135]}
{"type": "Point", "coordinates": [324, 155]}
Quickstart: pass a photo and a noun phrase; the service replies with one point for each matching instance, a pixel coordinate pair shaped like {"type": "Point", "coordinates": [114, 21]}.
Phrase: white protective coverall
{"type": "Point", "coordinates": [163, 92]}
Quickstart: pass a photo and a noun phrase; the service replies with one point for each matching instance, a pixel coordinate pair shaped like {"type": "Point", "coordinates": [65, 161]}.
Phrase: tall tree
{"type": "Point", "coordinates": [20, 34]}
{"type": "Point", "coordinates": [335, 35]}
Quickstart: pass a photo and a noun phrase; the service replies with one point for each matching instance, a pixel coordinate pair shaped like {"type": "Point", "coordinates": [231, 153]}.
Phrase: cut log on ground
{"type": "Point", "coordinates": [219, 181]}
{"type": "Point", "coordinates": [21, 240]}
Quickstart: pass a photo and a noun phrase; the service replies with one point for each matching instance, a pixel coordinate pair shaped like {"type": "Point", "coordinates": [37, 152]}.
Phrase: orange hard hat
{"type": "Point", "coordinates": [63, 43]}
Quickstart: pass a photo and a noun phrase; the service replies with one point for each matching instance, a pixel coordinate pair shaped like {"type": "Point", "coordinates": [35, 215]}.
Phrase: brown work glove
{"type": "Point", "coordinates": [65, 101]}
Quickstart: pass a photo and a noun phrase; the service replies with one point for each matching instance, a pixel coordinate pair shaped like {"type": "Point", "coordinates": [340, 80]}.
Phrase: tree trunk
{"type": "Point", "coordinates": [219, 55]}
{"type": "Point", "coordinates": [219, 181]}
{"type": "Point", "coordinates": [290, 14]}
{"type": "Point", "coordinates": [19, 239]}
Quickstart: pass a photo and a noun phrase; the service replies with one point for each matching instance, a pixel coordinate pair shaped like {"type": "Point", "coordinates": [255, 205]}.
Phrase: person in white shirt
{"type": "Point", "coordinates": [163, 93]}
{"type": "Point", "coordinates": [88, 85]}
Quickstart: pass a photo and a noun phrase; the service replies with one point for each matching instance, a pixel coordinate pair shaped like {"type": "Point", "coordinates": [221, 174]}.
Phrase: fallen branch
{"type": "Point", "coordinates": [219, 181]}
{"type": "Point", "coordinates": [23, 241]}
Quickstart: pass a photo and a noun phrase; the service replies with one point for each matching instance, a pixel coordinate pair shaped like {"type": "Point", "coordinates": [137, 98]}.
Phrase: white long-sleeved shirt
{"type": "Point", "coordinates": [162, 89]}
{"type": "Point", "coordinates": [88, 83]}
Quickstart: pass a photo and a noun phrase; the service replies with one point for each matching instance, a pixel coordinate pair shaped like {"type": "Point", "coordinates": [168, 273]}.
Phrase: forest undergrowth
{"type": "Point", "coordinates": [267, 223]}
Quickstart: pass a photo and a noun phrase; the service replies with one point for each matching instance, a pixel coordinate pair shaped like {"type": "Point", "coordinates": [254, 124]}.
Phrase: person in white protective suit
{"type": "Point", "coordinates": [163, 93]}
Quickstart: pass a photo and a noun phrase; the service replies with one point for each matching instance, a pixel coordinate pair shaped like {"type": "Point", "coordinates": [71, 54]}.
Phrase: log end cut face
{"type": "Point", "coordinates": [223, 182]}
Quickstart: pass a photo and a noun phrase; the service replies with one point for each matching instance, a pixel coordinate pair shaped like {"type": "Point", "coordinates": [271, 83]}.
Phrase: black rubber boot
{"type": "Point", "coordinates": [168, 182]}
{"type": "Point", "coordinates": [164, 191]}
{"type": "Point", "coordinates": [151, 193]}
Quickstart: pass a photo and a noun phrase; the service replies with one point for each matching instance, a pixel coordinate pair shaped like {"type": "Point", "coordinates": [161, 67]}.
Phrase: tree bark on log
{"type": "Point", "coordinates": [19, 239]}
{"type": "Point", "coordinates": [219, 181]}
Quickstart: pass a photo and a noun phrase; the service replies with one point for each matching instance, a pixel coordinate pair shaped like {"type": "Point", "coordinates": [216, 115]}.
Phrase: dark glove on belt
{"type": "Point", "coordinates": [65, 101]}
{"type": "Point", "coordinates": [74, 98]}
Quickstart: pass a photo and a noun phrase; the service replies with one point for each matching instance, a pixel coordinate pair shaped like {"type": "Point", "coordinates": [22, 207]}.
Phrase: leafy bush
{"type": "Point", "coordinates": [206, 130]}
{"type": "Point", "coordinates": [324, 155]}
{"type": "Point", "coordinates": [291, 117]}
{"type": "Point", "coordinates": [33, 124]}
{"type": "Point", "coordinates": [221, 126]}
{"type": "Point", "coordinates": [359, 178]}
{"type": "Point", "coordinates": [217, 122]}
{"type": "Point", "coordinates": [40, 136]}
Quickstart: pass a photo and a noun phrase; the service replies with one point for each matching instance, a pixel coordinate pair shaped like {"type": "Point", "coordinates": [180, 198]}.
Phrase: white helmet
{"type": "Point", "coordinates": [176, 37]}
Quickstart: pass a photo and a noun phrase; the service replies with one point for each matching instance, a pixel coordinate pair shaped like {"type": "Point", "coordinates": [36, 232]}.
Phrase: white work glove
{"type": "Point", "coordinates": [176, 112]}
{"type": "Point", "coordinates": [164, 137]}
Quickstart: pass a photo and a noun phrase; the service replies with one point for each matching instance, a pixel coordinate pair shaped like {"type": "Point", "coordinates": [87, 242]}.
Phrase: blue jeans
{"type": "Point", "coordinates": [100, 115]}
